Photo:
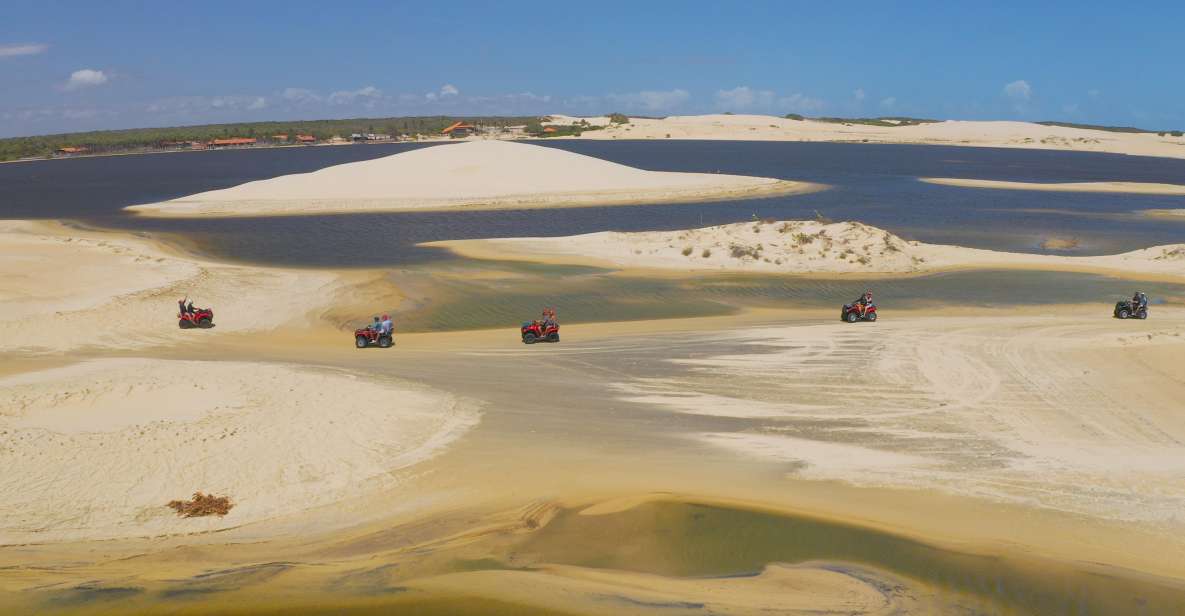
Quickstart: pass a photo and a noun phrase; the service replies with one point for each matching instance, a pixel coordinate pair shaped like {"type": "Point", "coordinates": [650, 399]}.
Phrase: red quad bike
{"type": "Point", "coordinates": [200, 317]}
{"type": "Point", "coordinates": [534, 331]}
{"type": "Point", "coordinates": [851, 313]}
{"type": "Point", "coordinates": [366, 337]}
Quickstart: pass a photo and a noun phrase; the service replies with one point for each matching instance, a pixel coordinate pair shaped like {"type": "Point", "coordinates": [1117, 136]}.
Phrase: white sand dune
{"type": "Point", "coordinates": [798, 247]}
{"type": "Point", "coordinates": [475, 174]}
{"type": "Point", "coordinates": [1001, 134]}
{"type": "Point", "coordinates": [63, 289]}
{"type": "Point", "coordinates": [1136, 188]}
{"type": "Point", "coordinates": [96, 450]}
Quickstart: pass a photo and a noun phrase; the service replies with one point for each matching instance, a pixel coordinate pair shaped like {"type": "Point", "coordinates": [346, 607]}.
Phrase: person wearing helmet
{"type": "Point", "coordinates": [386, 326]}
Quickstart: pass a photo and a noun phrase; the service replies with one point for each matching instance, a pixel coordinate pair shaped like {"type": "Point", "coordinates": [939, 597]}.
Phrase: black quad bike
{"type": "Point", "coordinates": [1127, 309]}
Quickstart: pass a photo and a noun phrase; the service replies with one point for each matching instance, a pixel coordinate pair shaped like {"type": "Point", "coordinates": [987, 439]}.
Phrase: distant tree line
{"type": "Point", "coordinates": [138, 139]}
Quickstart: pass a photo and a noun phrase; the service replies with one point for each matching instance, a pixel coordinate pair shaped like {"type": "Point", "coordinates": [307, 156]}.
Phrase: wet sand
{"type": "Point", "coordinates": [948, 457]}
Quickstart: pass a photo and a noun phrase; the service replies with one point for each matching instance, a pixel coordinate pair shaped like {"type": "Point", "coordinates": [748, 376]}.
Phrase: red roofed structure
{"type": "Point", "coordinates": [233, 141]}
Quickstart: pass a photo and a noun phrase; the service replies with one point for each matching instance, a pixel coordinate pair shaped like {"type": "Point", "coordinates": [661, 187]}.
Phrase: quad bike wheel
{"type": "Point", "coordinates": [384, 342]}
{"type": "Point", "coordinates": [205, 323]}
{"type": "Point", "coordinates": [184, 324]}
{"type": "Point", "coordinates": [1123, 313]}
{"type": "Point", "coordinates": [529, 338]}
{"type": "Point", "coordinates": [553, 337]}
{"type": "Point", "coordinates": [853, 317]}
{"type": "Point", "coordinates": [1143, 314]}
{"type": "Point", "coordinates": [361, 342]}
{"type": "Point", "coordinates": [871, 316]}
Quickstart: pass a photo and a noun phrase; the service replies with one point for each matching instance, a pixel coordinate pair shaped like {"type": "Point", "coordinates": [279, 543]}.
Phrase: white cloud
{"type": "Point", "coordinates": [368, 93]}
{"type": "Point", "coordinates": [743, 97]}
{"type": "Point", "coordinates": [85, 78]}
{"type": "Point", "coordinates": [22, 49]}
{"type": "Point", "coordinates": [1019, 90]}
{"type": "Point", "coordinates": [858, 94]}
{"type": "Point", "coordinates": [300, 95]}
{"type": "Point", "coordinates": [259, 103]}
{"type": "Point", "coordinates": [449, 89]}
{"type": "Point", "coordinates": [889, 103]}
{"type": "Point", "coordinates": [800, 103]}
{"type": "Point", "coordinates": [650, 100]}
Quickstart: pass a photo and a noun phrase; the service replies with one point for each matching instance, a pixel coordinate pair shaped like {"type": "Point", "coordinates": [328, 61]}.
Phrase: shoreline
{"type": "Point", "coordinates": [1130, 188]}
{"type": "Point", "coordinates": [302, 207]}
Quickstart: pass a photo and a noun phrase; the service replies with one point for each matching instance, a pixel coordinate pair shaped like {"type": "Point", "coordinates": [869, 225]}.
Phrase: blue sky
{"type": "Point", "coordinates": [70, 66]}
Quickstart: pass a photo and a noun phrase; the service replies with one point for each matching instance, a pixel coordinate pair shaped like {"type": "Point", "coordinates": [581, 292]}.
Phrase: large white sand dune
{"type": "Point", "coordinates": [996, 134]}
{"type": "Point", "coordinates": [476, 174]}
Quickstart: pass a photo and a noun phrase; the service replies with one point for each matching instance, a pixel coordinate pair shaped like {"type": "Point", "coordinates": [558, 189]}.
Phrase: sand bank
{"type": "Point", "coordinates": [62, 288]}
{"type": "Point", "coordinates": [95, 450]}
{"type": "Point", "coordinates": [470, 175]}
{"type": "Point", "coordinates": [798, 247]}
{"type": "Point", "coordinates": [1135, 188]}
{"type": "Point", "coordinates": [1001, 134]}
{"type": "Point", "coordinates": [1167, 214]}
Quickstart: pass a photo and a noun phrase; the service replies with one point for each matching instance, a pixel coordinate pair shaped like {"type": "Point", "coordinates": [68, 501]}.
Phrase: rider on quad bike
{"type": "Point", "coordinates": [188, 316]}
{"type": "Point", "coordinates": [860, 310]}
{"type": "Point", "coordinates": [1136, 307]}
{"type": "Point", "coordinates": [546, 328]}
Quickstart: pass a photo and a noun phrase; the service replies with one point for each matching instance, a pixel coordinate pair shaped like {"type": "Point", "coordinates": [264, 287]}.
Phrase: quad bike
{"type": "Point", "coordinates": [366, 337]}
{"type": "Point", "coordinates": [534, 331]}
{"type": "Point", "coordinates": [200, 317]}
{"type": "Point", "coordinates": [1127, 309]}
{"type": "Point", "coordinates": [851, 313]}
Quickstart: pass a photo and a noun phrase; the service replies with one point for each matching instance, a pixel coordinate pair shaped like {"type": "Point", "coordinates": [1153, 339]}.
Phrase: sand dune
{"type": "Point", "coordinates": [1135, 188]}
{"type": "Point", "coordinates": [951, 132]}
{"type": "Point", "coordinates": [476, 174]}
{"type": "Point", "coordinates": [798, 247]}
{"type": "Point", "coordinates": [63, 288]}
{"type": "Point", "coordinates": [95, 450]}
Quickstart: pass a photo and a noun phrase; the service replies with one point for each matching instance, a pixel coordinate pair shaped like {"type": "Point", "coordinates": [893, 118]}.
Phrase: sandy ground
{"type": "Point", "coordinates": [96, 449]}
{"type": "Point", "coordinates": [63, 288]}
{"type": "Point", "coordinates": [1135, 188]}
{"type": "Point", "coordinates": [951, 132]}
{"type": "Point", "coordinates": [366, 477]}
{"type": "Point", "coordinates": [1065, 412]}
{"type": "Point", "coordinates": [475, 174]}
{"type": "Point", "coordinates": [798, 247]}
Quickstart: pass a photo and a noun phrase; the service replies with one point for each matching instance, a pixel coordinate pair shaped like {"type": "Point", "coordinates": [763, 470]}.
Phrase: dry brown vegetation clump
{"type": "Point", "coordinates": [202, 505]}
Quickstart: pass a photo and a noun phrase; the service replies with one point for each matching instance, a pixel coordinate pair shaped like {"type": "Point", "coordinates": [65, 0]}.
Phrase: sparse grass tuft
{"type": "Point", "coordinates": [202, 505]}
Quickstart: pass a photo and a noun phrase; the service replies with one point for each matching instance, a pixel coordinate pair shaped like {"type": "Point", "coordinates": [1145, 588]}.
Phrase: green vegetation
{"type": "Point", "coordinates": [1112, 129]}
{"type": "Point", "coordinates": [564, 130]}
{"type": "Point", "coordinates": [618, 118]}
{"type": "Point", "coordinates": [149, 139]}
{"type": "Point", "coordinates": [794, 116]}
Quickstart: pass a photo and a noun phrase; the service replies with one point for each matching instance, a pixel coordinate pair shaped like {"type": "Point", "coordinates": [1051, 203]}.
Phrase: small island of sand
{"type": "Point", "coordinates": [1135, 188]}
{"type": "Point", "coordinates": [471, 175]}
{"type": "Point", "coordinates": [798, 247]}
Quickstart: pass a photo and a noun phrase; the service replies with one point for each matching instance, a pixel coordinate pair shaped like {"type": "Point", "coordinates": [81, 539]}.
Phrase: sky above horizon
{"type": "Point", "coordinates": [72, 66]}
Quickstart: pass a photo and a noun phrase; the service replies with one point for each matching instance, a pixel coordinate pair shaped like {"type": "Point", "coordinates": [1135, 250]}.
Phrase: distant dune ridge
{"type": "Point", "coordinates": [1141, 188]}
{"type": "Point", "coordinates": [1003, 134]}
{"type": "Point", "coordinates": [797, 247]}
{"type": "Point", "coordinates": [475, 174]}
